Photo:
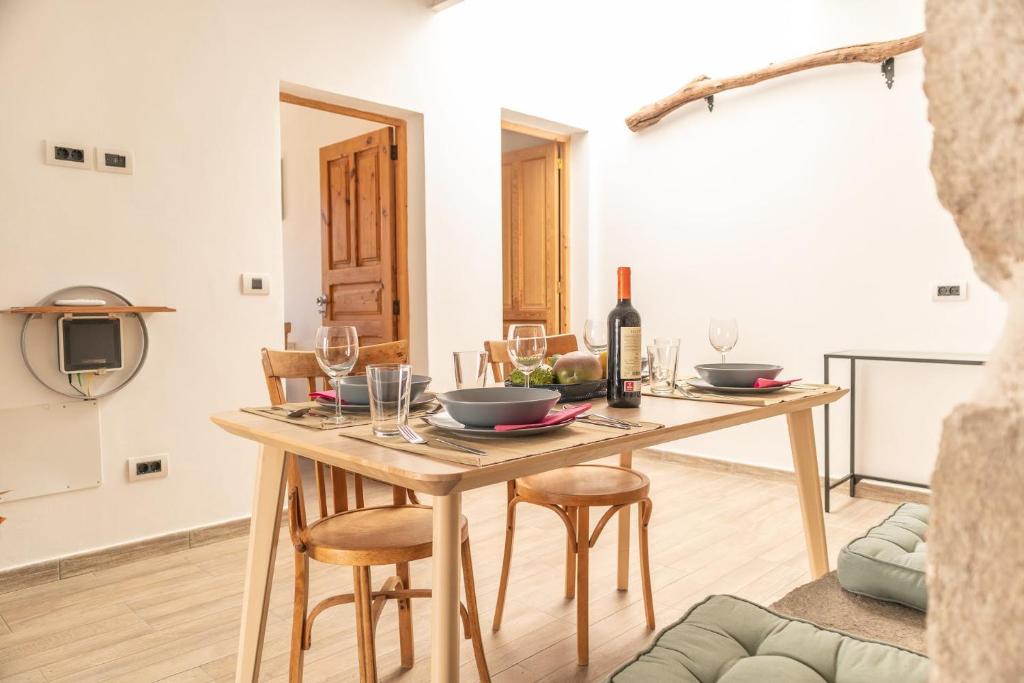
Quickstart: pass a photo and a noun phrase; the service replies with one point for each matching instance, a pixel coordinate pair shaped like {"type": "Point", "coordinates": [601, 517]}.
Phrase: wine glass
{"type": "Point", "coordinates": [527, 346]}
{"type": "Point", "coordinates": [337, 349]}
{"type": "Point", "coordinates": [723, 333]}
{"type": "Point", "coordinates": [595, 336]}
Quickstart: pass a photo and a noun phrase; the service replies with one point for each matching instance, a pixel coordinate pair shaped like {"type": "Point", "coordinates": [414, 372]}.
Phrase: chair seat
{"type": "Point", "coordinates": [585, 485]}
{"type": "Point", "coordinates": [373, 536]}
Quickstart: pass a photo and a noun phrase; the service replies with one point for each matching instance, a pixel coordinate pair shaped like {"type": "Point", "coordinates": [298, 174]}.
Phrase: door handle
{"type": "Point", "coordinates": [321, 305]}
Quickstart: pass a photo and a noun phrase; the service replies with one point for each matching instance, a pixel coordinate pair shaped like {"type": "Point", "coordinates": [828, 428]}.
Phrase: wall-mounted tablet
{"type": "Point", "coordinates": [89, 343]}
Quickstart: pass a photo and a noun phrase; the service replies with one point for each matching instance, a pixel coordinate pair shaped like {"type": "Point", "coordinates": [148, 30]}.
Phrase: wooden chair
{"type": "Point", "coordinates": [570, 492]}
{"type": "Point", "coordinates": [360, 537]}
{"type": "Point", "coordinates": [281, 365]}
{"type": "Point", "coordinates": [501, 362]}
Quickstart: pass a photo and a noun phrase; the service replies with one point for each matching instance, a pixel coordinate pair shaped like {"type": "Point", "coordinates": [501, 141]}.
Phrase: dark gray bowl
{"type": "Point", "coordinates": [498, 405]}
{"type": "Point", "coordinates": [354, 389]}
{"type": "Point", "coordinates": [736, 374]}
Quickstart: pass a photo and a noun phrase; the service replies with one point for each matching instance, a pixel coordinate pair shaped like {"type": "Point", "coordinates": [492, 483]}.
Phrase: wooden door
{"type": "Point", "coordinates": [357, 218]}
{"type": "Point", "coordinates": [531, 272]}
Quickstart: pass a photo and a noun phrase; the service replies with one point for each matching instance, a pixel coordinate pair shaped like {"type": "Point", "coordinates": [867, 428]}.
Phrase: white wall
{"type": "Point", "coordinates": [804, 207]}
{"type": "Point", "coordinates": [303, 132]}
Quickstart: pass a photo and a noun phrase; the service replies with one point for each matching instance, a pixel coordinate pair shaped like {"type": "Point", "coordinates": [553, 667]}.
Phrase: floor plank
{"type": "Point", "coordinates": [175, 618]}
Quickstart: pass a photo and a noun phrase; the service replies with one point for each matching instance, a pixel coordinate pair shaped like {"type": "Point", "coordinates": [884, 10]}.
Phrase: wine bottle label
{"type": "Point", "coordinates": [629, 353]}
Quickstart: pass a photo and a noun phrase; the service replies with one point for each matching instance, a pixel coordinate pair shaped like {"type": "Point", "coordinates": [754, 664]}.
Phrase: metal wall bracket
{"type": "Point", "coordinates": [889, 71]}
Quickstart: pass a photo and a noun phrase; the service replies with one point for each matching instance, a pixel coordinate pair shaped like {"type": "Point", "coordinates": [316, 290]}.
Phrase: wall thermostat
{"type": "Point", "coordinates": [255, 283]}
{"type": "Point", "coordinates": [89, 343]}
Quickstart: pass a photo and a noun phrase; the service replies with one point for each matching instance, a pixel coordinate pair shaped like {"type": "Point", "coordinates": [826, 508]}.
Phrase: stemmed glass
{"type": "Point", "coordinates": [337, 349]}
{"type": "Point", "coordinates": [723, 333]}
{"type": "Point", "coordinates": [595, 336]}
{"type": "Point", "coordinates": [527, 347]}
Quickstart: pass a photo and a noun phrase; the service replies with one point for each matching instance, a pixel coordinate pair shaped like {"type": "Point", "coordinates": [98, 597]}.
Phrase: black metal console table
{"type": "Point", "coordinates": [892, 356]}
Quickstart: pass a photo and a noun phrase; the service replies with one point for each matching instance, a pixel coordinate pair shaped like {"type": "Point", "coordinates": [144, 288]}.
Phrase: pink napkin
{"type": "Point", "coordinates": [326, 395]}
{"type": "Point", "coordinates": [551, 419]}
{"type": "Point", "coordinates": [762, 383]}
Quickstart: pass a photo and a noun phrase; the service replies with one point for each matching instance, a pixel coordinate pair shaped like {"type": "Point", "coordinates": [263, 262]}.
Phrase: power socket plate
{"type": "Point", "coordinates": [70, 155]}
{"type": "Point", "coordinates": [147, 467]}
{"type": "Point", "coordinates": [949, 290]}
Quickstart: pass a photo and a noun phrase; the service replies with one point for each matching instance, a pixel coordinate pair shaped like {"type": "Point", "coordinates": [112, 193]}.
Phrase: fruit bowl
{"type": "Point", "coordinates": [573, 392]}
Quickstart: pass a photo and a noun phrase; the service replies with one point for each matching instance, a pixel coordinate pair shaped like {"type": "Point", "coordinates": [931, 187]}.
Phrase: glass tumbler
{"type": "Point", "coordinates": [390, 388]}
{"type": "Point", "coordinates": [470, 369]}
{"type": "Point", "coordinates": [662, 360]}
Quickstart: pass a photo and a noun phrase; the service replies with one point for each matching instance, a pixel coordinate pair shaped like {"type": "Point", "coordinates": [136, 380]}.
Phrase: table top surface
{"type": "Point", "coordinates": [922, 356]}
{"type": "Point", "coordinates": [681, 419]}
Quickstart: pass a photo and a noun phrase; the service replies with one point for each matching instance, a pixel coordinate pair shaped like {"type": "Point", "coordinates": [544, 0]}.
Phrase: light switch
{"type": "Point", "coordinates": [114, 161]}
{"type": "Point", "coordinates": [255, 283]}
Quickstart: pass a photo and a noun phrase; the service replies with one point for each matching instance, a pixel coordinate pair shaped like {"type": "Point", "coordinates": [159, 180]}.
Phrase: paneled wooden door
{"type": "Point", "coordinates": [357, 218]}
{"type": "Point", "coordinates": [532, 237]}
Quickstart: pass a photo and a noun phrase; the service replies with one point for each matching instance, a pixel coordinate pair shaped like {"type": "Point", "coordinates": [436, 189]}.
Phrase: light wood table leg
{"type": "Point", "coordinates": [805, 463]}
{"type": "Point", "coordinates": [625, 460]}
{"type": "Point", "coordinates": [444, 660]}
{"type": "Point", "coordinates": [259, 567]}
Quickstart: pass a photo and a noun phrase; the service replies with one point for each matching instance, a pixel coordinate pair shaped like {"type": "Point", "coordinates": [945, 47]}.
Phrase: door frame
{"type": "Point", "coordinates": [401, 194]}
{"type": "Point", "coordinates": [564, 282]}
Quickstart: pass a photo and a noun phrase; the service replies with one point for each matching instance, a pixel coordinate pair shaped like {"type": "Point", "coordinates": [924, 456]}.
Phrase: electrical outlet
{"type": "Point", "coordinates": [73, 156]}
{"type": "Point", "coordinates": [949, 291]}
{"type": "Point", "coordinates": [147, 467]}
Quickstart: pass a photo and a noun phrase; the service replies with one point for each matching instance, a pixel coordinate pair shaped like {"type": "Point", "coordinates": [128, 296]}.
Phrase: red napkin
{"type": "Point", "coordinates": [762, 383]}
{"type": "Point", "coordinates": [326, 395]}
{"type": "Point", "coordinates": [551, 419]}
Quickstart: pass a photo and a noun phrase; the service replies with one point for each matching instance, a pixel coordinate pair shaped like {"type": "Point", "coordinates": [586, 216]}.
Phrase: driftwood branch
{"type": "Point", "coordinates": [702, 86]}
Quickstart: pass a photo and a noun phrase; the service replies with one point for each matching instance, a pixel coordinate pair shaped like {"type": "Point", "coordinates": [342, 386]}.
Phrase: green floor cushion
{"type": "Point", "coordinates": [729, 640]}
{"type": "Point", "coordinates": [888, 562]}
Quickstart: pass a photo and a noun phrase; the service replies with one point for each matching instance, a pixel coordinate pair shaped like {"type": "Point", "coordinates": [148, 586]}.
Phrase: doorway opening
{"type": "Point", "coordinates": [344, 212]}
{"type": "Point", "coordinates": [534, 227]}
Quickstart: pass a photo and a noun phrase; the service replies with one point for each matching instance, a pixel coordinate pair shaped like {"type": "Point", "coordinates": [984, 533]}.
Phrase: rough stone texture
{"type": "Point", "coordinates": [974, 73]}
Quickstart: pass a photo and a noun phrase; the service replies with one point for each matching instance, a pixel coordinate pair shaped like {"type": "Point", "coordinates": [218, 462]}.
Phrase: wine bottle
{"type": "Point", "coordinates": [624, 349]}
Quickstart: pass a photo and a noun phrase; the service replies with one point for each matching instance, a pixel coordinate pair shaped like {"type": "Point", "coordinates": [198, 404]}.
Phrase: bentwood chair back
{"type": "Point", "coordinates": [362, 537]}
{"type": "Point", "coordinates": [282, 365]}
{"type": "Point", "coordinates": [501, 362]}
{"type": "Point", "coordinates": [571, 492]}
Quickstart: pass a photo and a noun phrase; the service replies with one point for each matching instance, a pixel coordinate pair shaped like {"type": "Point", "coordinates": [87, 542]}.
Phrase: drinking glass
{"type": "Point", "coordinates": [595, 336]}
{"type": "Point", "coordinates": [662, 360]}
{"type": "Point", "coordinates": [337, 349]}
{"type": "Point", "coordinates": [390, 387]}
{"type": "Point", "coordinates": [470, 369]}
{"type": "Point", "coordinates": [527, 347]}
{"type": "Point", "coordinates": [723, 334]}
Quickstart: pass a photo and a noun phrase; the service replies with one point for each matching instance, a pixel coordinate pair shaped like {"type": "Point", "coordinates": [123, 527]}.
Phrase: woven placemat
{"type": "Point", "coordinates": [688, 393]}
{"type": "Point", "coordinates": [316, 419]}
{"type": "Point", "coordinates": [496, 449]}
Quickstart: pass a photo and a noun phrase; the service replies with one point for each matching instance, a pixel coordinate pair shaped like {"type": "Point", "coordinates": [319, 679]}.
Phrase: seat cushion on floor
{"type": "Point", "coordinates": [888, 562]}
{"type": "Point", "coordinates": [730, 640]}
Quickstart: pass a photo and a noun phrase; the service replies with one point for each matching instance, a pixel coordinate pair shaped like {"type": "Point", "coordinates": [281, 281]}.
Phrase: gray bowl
{"type": "Point", "coordinates": [498, 405]}
{"type": "Point", "coordinates": [354, 390]}
{"type": "Point", "coordinates": [736, 374]}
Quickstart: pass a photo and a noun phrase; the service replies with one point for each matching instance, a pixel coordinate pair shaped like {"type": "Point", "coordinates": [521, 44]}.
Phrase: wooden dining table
{"type": "Point", "coordinates": [446, 481]}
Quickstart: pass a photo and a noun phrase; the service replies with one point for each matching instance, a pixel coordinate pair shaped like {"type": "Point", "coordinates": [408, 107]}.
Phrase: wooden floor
{"type": "Point", "coordinates": [175, 618]}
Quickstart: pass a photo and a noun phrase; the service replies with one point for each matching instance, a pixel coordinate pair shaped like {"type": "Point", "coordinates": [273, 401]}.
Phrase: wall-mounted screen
{"type": "Point", "coordinates": [89, 344]}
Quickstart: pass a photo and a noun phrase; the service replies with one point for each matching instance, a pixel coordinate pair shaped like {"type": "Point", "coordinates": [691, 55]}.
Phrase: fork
{"type": "Point", "coordinates": [410, 435]}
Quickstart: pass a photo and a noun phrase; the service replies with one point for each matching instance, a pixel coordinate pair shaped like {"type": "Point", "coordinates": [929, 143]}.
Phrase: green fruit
{"type": "Point", "coordinates": [542, 375]}
{"type": "Point", "coordinates": [576, 367]}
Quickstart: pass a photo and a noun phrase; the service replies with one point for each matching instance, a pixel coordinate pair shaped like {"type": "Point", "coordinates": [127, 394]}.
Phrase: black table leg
{"type": "Point", "coordinates": [853, 427]}
{"type": "Point", "coordinates": [828, 479]}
